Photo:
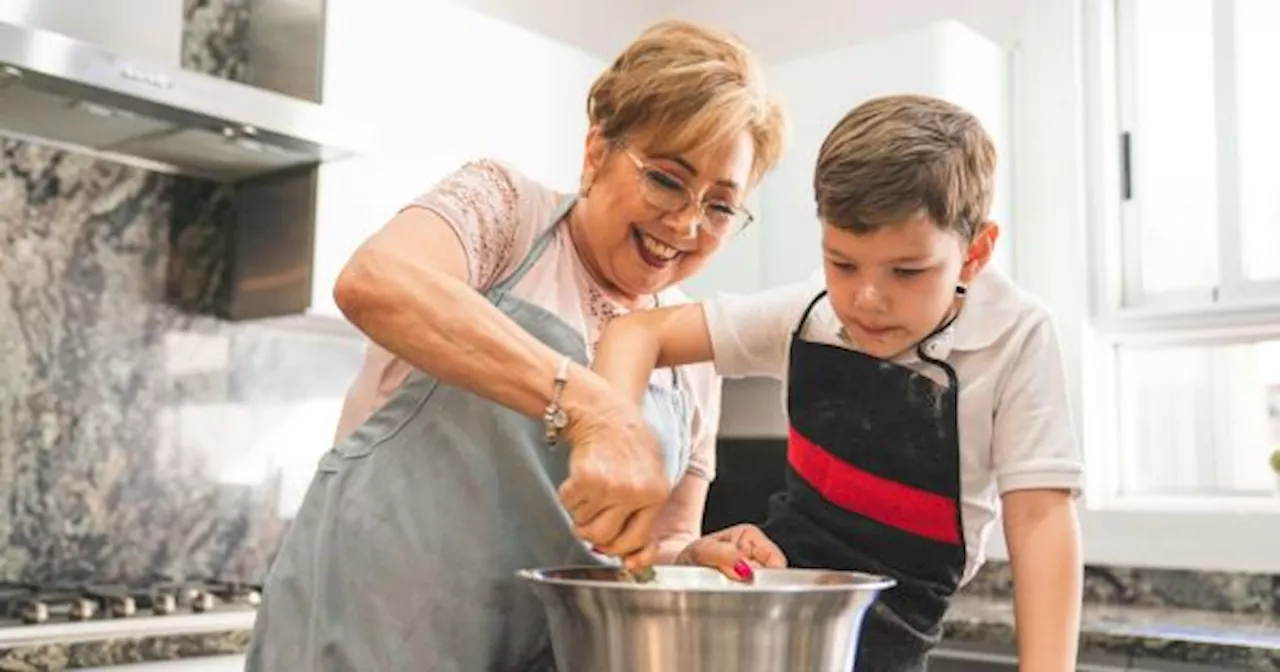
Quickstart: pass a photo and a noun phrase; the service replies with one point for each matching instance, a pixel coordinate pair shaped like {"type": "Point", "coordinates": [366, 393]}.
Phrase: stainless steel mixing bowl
{"type": "Point", "coordinates": [693, 619]}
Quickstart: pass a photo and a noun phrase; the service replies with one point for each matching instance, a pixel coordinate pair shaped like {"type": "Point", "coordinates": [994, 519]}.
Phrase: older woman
{"type": "Point", "coordinates": [484, 298]}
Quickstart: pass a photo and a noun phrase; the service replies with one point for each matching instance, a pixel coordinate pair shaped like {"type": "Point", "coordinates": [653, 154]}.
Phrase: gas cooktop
{"type": "Point", "coordinates": [34, 603]}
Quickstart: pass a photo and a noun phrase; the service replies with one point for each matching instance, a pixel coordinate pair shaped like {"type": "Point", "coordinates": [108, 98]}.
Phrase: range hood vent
{"type": "Point", "coordinates": [76, 92]}
{"type": "Point", "coordinates": [106, 78]}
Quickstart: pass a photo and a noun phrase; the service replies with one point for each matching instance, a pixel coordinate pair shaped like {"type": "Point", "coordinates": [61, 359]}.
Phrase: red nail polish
{"type": "Point", "coordinates": [742, 569]}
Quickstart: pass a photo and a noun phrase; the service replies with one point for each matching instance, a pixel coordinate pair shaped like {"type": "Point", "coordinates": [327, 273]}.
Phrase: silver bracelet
{"type": "Point", "coordinates": [554, 419]}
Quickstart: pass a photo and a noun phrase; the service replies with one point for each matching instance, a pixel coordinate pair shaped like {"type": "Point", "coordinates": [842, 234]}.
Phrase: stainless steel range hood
{"type": "Point", "coordinates": [106, 78]}
{"type": "Point", "coordinates": [78, 74]}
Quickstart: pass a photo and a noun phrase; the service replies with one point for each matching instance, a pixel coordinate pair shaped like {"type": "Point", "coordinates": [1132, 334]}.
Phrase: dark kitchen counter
{"type": "Point", "coordinates": [60, 646]}
{"type": "Point", "coordinates": [1147, 635]}
{"type": "Point", "coordinates": [1151, 635]}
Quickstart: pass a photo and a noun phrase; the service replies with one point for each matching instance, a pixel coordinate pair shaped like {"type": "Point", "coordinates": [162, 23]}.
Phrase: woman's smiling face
{"type": "Point", "coordinates": [649, 221]}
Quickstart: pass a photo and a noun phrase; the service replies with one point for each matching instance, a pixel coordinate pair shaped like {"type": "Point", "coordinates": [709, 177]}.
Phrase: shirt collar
{"type": "Point", "coordinates": [990, 308]}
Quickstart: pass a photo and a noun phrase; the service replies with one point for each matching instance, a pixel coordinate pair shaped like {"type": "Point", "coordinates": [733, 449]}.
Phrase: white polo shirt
{"type": "Point", "coordinates": [1015, 427]}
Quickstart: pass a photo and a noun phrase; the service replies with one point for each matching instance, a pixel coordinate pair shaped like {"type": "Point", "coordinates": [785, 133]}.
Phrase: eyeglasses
{"type": "Point", "coordinates": [669, 194]}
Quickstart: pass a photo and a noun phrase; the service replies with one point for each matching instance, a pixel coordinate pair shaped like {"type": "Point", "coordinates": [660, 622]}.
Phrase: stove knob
{"type": "Point", "coordinates": [203, 602]}
{"type": "Point", "coordinates": [164, 604]}
{"type": "Point", "coordinates": [82, 609]}
{"type": "Point", "coordinates": [33, 612]}
{"type": "Point", "coordinates": [123, 606]}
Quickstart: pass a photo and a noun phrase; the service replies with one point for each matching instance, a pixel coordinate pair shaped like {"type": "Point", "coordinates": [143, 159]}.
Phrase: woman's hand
{"type": "Point", "coordinates": [617, 485]}
{"type": "Point", "coordinates": [735, 551]}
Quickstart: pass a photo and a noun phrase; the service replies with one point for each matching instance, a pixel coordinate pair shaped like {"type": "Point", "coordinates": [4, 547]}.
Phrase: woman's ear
{"type": "Point", "coordinates": [593, 157]}
{"type": "Point", "coordinates": [980, 251]}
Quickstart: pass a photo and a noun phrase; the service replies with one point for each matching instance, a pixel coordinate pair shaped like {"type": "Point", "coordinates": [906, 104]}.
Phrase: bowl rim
{"type": "Point", "coordinates": [863, 581]}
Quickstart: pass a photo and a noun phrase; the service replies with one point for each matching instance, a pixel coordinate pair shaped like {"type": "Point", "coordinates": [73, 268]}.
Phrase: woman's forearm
{"type": "Point", "coordinates": [436, 322]}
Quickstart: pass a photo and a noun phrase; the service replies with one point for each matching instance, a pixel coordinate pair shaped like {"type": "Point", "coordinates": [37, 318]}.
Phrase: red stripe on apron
{"type": "Point", "coordinates": [915, 511]}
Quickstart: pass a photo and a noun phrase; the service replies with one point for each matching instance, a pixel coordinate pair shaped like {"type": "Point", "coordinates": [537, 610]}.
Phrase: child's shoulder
{"type": "Point", "coordinates": [1000, 312]}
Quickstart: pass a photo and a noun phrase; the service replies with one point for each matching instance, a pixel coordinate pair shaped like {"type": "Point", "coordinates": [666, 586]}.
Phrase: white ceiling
{"type": "Point", "coordinates": [778, 30]}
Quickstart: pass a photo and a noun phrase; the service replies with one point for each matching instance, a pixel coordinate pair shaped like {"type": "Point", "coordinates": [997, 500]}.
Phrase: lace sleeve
{"type": "Point", "coordinates": [480, 202]}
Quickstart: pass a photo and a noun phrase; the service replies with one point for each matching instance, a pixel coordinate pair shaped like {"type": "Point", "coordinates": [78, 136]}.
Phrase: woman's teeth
{"type": "Point", "coordinates": [657, 248]}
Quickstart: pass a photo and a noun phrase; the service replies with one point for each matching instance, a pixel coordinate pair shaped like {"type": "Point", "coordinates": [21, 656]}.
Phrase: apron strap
{"type": "Point", "coordinates": [805, 317]}
{"type": "Point", "coordinates": [539, 245]}
{"type": "Point", "coordinates": [922, 352]}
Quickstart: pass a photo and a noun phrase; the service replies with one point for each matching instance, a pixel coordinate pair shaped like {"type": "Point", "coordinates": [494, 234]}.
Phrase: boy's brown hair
{"type": "Point", "coordinates": [897, 157]}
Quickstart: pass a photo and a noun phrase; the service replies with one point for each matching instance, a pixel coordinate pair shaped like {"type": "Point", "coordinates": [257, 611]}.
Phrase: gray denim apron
{"type": "Point", "coordinates": [404, 551]}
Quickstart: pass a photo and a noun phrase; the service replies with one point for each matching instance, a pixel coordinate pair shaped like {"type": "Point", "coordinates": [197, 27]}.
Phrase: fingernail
{"type": "Point", "coordinates": [742, 569]}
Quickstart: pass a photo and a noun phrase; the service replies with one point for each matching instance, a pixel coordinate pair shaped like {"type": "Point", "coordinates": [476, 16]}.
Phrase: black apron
{"type": "Point", "coordinates": [873, 485]}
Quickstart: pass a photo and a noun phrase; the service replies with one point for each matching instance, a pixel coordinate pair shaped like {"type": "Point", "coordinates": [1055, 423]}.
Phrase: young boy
{"type": "Point", "coordinates": [923, 395]}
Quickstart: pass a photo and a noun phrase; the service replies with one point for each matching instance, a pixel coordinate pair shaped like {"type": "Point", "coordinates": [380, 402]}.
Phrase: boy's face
{"type": "Point", "coordinates": [893, 286]}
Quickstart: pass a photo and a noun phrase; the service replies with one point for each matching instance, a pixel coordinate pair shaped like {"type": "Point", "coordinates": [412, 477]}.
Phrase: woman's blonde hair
{"type": "Point", "coordinates": [689, 87]}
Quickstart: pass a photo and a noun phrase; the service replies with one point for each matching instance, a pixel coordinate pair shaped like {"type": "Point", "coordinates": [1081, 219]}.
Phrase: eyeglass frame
{"type": "Point", "coordinates": [648, 186]}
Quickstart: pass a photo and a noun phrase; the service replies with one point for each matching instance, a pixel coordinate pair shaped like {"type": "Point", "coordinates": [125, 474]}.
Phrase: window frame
{"type": "Point", "coordinates": [1056, 176]}
{"type": "Point", "coordinates": [1119, 314]}
{"type": "Point", "coordinates": [1234, 293]}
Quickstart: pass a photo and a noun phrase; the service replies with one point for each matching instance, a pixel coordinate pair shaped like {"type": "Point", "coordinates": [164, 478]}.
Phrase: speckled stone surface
{"type": "Point", "coordinates": [215, 37]}
{"type": "Point", "coordinates": [1216, 639]}
{"type": "Point", "coordinates": [54, 658]}
{"type": "Point", "coordinates": [1230, 592]}
{"type": "Point", "coordinates": [135, 437]}
{"type": "Point", "coordinates": [1148, 635]}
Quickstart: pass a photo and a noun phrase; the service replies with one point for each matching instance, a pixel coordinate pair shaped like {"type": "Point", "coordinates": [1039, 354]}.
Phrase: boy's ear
{"type": "Point", "coordinates": [980, 251]}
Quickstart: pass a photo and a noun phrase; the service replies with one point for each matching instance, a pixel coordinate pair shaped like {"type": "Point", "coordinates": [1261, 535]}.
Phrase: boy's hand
{"type": "Point", "coordinates": [735, 551]}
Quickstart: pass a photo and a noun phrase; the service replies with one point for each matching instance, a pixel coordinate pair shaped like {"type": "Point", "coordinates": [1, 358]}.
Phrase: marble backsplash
{"type": "Point", "coordinates": [136, 438]}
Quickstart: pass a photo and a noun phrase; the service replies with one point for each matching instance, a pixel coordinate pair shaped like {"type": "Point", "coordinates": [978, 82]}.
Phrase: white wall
{"type": "Point", "coordinates": [439, 84]}
{"type": "Point", "coordinates": [812, 26]}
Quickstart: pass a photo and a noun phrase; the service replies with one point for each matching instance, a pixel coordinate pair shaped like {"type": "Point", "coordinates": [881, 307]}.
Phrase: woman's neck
{"type": "Point", "coordinates": [578, 237]}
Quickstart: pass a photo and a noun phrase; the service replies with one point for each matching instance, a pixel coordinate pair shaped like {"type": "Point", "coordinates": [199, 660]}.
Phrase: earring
{"type": "Point", "coordinates": [961, 289]}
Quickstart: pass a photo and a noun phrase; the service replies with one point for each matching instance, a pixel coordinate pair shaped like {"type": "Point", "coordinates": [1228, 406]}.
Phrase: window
{"type": "Point", "coordinates": [1199, 97]}
{"type": "Point", "coordinates": [1189, 310]}
{"type": "Point", "coordinates": [1199, 419]}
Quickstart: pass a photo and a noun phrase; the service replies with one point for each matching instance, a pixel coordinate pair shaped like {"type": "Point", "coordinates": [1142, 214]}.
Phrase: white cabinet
{"type": "Point", "coordinates": [439, 85]}
{"type": "Point", "coordinates": [944, 59]}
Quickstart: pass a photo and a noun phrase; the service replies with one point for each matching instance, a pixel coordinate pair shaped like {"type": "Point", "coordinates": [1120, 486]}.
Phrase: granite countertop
{"type": "Point", "coordinates": [60, 646]}
{"type": "Point", "coordinates": [1170, 634]}
{"type": "Point", "coordinates": [1223, 640]}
